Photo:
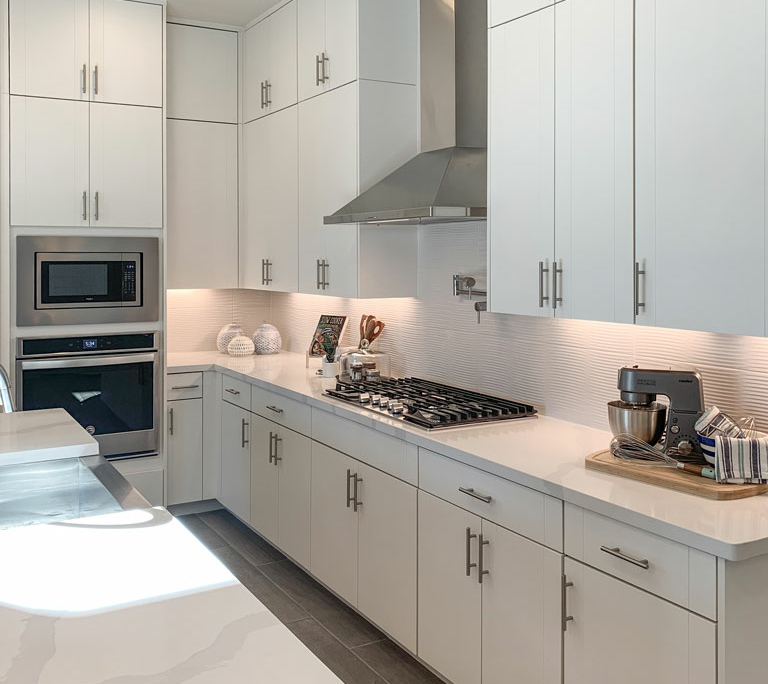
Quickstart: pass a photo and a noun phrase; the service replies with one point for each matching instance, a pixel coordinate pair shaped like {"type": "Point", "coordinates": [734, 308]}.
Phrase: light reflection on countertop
{"type": "Point", "coordinates": [544, 453]}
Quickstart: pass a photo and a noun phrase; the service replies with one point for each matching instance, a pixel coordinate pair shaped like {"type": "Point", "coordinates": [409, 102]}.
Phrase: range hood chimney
{"type": "Point", "coordinates": [446, 183]}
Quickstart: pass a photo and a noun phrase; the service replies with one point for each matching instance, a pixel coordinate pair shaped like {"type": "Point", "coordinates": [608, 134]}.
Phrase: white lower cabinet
{"type": "Point", "coordinates": [236, 460]}
{"type": "Point", "coordinates": [489, 599]}
{"type": "Point", "coordinates": [185, 451]}
{"type": "Point", "coordinates": [280, 487]}
{"type": "Point", "coordinates": [364, 540]}
{"type": "Point", "coordinates": [622, 634]}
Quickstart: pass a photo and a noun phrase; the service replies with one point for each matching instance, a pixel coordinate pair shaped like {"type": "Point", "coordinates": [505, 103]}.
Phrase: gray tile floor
{"type": "Point", "coordinates": [347, 643]}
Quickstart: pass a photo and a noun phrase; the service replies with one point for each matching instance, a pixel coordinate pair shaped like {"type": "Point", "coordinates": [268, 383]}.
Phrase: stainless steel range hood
{"type": "Point", "coordinates": [447, 184]}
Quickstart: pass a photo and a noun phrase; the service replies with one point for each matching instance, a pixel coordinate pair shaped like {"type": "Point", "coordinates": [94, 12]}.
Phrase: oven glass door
{"type": "Point", "coordinates": [113, 398]}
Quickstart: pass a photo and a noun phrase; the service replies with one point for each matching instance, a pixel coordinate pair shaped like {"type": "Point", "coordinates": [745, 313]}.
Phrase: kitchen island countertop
{"type": "Point", "coordinates": [543, 453]}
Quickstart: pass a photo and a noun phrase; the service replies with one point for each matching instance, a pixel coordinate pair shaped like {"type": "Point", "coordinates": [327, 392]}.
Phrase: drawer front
{"type": "Point", "coordinates": [184, 386]}
{"type": "Point", "coordinates": [502, 11]}
{"type": "Point", "coordinates": [370, 446]}
{"type": "Point", "coordinates": [237, 392]}
{"type": "Point", "coordinates": [293, 414]}
{"type": "Point", "coordinates": [520, 509]}
{"type": "Point", "coordinates": [676, 572]}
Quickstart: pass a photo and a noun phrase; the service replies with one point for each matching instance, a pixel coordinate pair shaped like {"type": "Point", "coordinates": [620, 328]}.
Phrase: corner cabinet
{"type": "Point", "coordinates": [349, 138]}
{"type": "Point", "coordinates": [561, 162]}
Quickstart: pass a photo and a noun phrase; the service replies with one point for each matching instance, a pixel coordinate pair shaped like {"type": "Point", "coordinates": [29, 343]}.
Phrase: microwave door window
{"type": "Point", "coordinates": [103, 399]}
{"type": "Point", "coordinates": [80, 282]}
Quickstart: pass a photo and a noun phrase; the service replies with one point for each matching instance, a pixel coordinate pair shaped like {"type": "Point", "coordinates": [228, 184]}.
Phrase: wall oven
{"type": "Point", "coordinates": [66, 280]}
{"type": "Point", "coordinates": [110, 384]}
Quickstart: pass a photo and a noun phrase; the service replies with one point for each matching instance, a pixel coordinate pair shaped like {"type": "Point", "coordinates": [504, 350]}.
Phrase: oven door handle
{"type": "Point", "coordinates": [88, 361]}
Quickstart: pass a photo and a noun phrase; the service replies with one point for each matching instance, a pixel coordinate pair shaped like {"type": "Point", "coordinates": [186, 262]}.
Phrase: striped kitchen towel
{"type": "Point", "coordinates": [741, 460]}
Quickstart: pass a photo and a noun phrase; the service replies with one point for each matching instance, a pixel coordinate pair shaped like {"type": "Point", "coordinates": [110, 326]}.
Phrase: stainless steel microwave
{"type": "Point", "coordinates": [66, 281]}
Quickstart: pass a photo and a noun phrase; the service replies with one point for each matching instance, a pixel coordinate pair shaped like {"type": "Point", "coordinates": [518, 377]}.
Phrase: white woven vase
{"type": "Point", "coordinates": [240, 346]}
{"type": "Point", "coordinates": [267, 339]}
{"type": "Point", "coordinates": [227, 334]}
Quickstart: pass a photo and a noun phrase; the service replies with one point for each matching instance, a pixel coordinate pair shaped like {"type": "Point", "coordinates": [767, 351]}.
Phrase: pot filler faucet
{"type": "Point", "coordinates": [6, 400]}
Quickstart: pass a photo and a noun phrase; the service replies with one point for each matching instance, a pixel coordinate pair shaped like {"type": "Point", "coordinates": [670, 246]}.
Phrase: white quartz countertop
{"type": "Point", "coordinates": [32, 436]}
{"type": "Point", "coordinates": [134, 598]}
{"type": "Point", "coordinates": [544, 453]}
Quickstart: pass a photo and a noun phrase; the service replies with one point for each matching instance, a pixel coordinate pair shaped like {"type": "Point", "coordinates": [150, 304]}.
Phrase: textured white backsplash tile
{"type": "Point", "coordinates": [567, 368]}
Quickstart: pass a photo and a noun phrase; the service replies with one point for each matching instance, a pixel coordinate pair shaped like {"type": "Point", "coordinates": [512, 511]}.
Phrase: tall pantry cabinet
{"type": "Point", "coordinates": [91, 141]}
{"type": "Point", "coordinates": [355, 121]}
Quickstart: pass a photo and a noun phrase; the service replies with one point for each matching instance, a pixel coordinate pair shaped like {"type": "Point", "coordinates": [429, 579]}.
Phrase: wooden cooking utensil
{"type": "Point", "coordinates": [370, 326]}
{"type": "Point", "coordinates": [377, 330]}
{"type": "Point", "coordinates": [362, 327]}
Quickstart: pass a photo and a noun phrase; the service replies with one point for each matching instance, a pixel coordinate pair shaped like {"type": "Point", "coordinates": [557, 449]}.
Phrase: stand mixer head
{"type": "Point", "coordinates": [639, 388]}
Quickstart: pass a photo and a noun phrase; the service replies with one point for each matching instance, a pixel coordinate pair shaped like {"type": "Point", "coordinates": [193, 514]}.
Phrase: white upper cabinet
{"type": "Point", "coordinates": [126, 166]}
{"type": "Point", "coordinates": [594, 201]}
{"type": "Point", "coordinates": [521, 180]}
{"type": "Point", "coordinates": [269, 64]}
{"type": "Point", "coordinates": [49, 162]}
{"type": "Point", "coordinates": [202, 74]}
{"type": "Point", "coordinates": [342, 40]}
{"type": "Point", "coordinates": [348, 139]}
{"type": "Point", "coordinates": [127, 52]}
{"type": "Point", "coordinates": [701, 165]}
{"type": "Point", "coordinates": [202, 194]}
{"type": "Point", "coordinates": [269, 239]}
{"type": "Point", "coordinates": [98, 50]}
{"type": "Point", "coordinates": [49, 48]}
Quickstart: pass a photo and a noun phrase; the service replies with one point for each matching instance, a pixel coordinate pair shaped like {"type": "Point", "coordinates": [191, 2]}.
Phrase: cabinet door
{"type": "Point", "coordinates": [387, 573]}
{"type": "Point", "coordinates": [616, 635]}
{"type": "Point", "coordinates": [236, 460]}
{"type": "Point", "coordinates": [127, 52]}
{"type": "Point", "coordinates": [270, 203]}
{"type": "Point", "coordinates": [49, 48]}
{"type": "Point", "coordinates": [282, 88]}
{"type": "Point", "coordinates": [310, 22]}
{"type": "Point", "coordinates": [202, 74]}
{"type": "Point", "coordinates": [701, 178]}
{"type": "Point", "coordinates": [521, 609]}
{"type": "Point", "coordinates": [522, 164]}
{"type": "Point", "coordinates": [294, 453]}
{"type": "Point", "coordinates": [185, 451]}
{"type": "Point", "coordinates": [255, 70]}
{"type": "Point", "coordinates": [327, 181]}
{"type": "Point", "coordinates": [126, 166]}
{"type": "Point", "coordinates": [264, 493]}
{"type": "Point", "coordinates": [49, 162]}
{"type": "Point", "coordinates": [334, 521]}
{"type": "Point", "coordinates": [449, 594]}
{"type": "Point", "coordinates": [340, 42]}
{"type": "Point", "coordinates": [202, 205]}
{"type": "Point", "coordinates": [594, 160]}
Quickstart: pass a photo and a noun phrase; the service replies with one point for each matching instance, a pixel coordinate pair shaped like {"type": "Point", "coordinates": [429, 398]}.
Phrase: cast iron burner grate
{"type": "Point", "coordinates": [429, 405]}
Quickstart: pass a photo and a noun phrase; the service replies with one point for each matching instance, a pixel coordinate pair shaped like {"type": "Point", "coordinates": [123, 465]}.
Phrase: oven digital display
{"type": "Point", "coordinates": [91, 344]}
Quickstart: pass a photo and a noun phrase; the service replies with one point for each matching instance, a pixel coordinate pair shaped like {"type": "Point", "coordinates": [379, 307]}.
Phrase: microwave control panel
{"type": "Point", "coordinates": [129, 281]}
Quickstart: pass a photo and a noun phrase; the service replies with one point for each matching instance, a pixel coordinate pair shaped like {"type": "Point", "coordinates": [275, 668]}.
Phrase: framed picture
{"type": "Point", "coordinates": [327, 337]}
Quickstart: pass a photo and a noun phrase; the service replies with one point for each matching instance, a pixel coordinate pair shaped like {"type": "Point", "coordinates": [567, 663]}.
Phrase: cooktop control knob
{"type": "Point", "coordinates": [365, 398]}
{"type": "Point", "coordinates": [396, 408]}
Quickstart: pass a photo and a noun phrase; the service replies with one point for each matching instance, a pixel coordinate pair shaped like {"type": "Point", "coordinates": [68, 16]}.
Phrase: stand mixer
{"type": "Point", "coordinates": [640, 415]}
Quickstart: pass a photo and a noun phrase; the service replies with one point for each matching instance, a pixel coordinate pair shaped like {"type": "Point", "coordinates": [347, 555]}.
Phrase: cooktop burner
{"type": "Point", "coordinates": [428, 405]}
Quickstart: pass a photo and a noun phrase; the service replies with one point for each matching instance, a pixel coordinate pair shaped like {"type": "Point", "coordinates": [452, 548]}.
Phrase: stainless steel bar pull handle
{"type": "Point", "coordinates": [556, 271]}
{"type": "Point", "coordinates": [278, 440]}
{"type": "Point", "coordinates": [234, 392]}
{"type": "Point", "coordinates": [267, 93]}
{"type": "Point", "coordinates": [170, 421]}
{"type": "Point", "coordinates": [542, 298]}
{"type": "Point", "coordinates": [268, 272]}
{"type": "Point", "coordinates": [639, 303]}
{"type": "Point", "coordinates": [263, 272]}
{"type": "Point", "coordinates": [326, 283]}
{"type": "Point", "coordinates": [350, 498]}
{"type": "Point", "coordinates": [469, 491]}
{"type": "Point", "coordinates": [275, 409]}
{"type": "Point", "coordinates": [96, 80]}
{"type": "Point", "coordinates": [185, 387]}
{"type": "Point", "coordinates": [262, 94]}
{"type": "Point", "coordinates": [356, 502]}
{"type": "Point", "coordinates": [326, 74]}
{"type": "Point", "coordinates": [318, 65]}
{"type": "Point", "coordinates": [564, 617]}
{"type": "Point", "coordinates": [84, 79]}
{"type": "Point", "coordinates": [643, 563]}
{"type": "Point", "coordinates": [271, 441]}
{"type": "Point", "coordinates": [319, 282]}
{"type": "Point", "coordinates": [85, 205]}
{"type": "Point", "coordinates": [481, 543]}
{"type": "Point", "coordinates": [245, 424]}
{"type": "Point", "coordinates": [468, 551]}
{"type": "Point", "coordinates": [96, 209]}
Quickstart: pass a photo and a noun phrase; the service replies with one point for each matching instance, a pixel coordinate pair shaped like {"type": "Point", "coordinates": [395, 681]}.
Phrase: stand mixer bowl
{"type": "Point", "coordinates": [646, 422]}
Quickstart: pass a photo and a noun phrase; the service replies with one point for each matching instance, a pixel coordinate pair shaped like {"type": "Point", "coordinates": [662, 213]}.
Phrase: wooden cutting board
{"type": "Point", "coordinates": [671, 478]}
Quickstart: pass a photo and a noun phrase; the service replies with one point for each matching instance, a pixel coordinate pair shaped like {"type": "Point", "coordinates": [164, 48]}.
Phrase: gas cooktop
{"type": "Point", "coordinates": [426, 404]}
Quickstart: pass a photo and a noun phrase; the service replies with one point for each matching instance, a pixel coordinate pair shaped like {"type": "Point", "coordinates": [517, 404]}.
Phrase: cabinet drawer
{"type": "Point", "coordinates": [295, 415]}
{"type": "Point", "coordinates": [237, 392]}
{"type": "Point", "coordinates": [184, 386]}
{"type": "Point", "coordinates": [520, 509]}
{"type": "Point", "coordinates": [387, 453]}
{"type": "Point", "coordinates": [676, 572]}
{"type": "Point", "coordinates": [501, 11]}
